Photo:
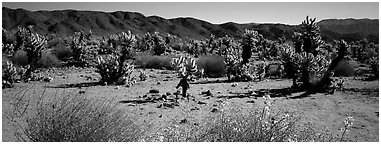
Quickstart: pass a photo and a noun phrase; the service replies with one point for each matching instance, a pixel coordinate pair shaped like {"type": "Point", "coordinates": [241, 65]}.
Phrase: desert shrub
{"type": "Point", "coordinates": [233, 125]}
{"type": "Point", "coordinates": [275, 69]}
{"type": "Point", "coordinates": [344, 69]}
{"type": "Point", "coordinates": [155, 62]}
{"type": "Point", "coordinates": [213, 65]}
{"type": "Point", "coordinates": [48, 60]}
{"type": "Point", "coordinates": [20, 58]}
{"type": "Point", "coordinates": [75, 118]}
{"type": "Point", "coordinates": [62, 53]}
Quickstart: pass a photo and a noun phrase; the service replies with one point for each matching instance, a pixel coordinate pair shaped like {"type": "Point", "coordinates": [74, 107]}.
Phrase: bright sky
{"type": "Point", "coordinates": [221, 12]}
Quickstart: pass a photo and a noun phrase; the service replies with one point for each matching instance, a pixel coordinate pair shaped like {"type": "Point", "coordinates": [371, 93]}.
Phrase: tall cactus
{"type": "Point", "coordinates": [249, 41]}
{"type": "Point", "coordinates": [113, 68]}
{"type": "Point", "coordinates": [186, 68]}
{"type": "Point", "coordinates": [79, 47]}
{"type": "Point", "coordinates": [34, 44]}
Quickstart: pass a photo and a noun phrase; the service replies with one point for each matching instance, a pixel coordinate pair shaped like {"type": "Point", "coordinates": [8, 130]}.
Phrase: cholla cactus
{"type": "Point", "coordinates": [21, 35]}
{"type": "Point", "coordinates": [34, 44]}
{"type": "Point", "coordinates": [108, 68]}
{"type": "Point", "coordinates": [80, 49]}
{"type": "Point", "coordinates": [374, 65]}
{"type": "Point", "coordinates": [186, 69]}
{"type": "Point", "coordinates": [9, 75]}
{"type": "Point", "coordinates": [254, 71]}
{"type": "Point", "coordinates": [249, 42]}
{"type": "Point", "coordinates": [113, 68]}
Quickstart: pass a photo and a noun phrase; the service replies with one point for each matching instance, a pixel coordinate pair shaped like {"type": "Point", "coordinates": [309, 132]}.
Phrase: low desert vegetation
{"type": "Point", "coordinates": [73, 118]}
{"type": "Point", "coordinates": [306, 59]}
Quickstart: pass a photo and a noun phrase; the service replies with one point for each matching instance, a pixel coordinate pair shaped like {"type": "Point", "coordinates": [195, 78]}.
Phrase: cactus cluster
{"type": "Point", "coordinates": [254, 71]}
{"type": "Point", "coordinates": [82, 52]}
{"type": "Point", "coordinates": [113, 68]}
{"type": "Point", "coordinates": [108, 68]}
{"type": "Point", "coordinates": [156, 43]}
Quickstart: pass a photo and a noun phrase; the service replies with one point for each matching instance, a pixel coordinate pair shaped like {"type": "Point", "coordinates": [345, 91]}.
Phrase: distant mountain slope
{"type": "Point", "coordinates": [66, 22]}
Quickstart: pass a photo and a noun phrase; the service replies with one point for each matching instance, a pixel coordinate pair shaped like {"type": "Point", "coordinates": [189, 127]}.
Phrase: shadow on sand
{"type": "Point", "coordinates": [282, 92]}
{"type": "Point", "coordinates": [78, 85]}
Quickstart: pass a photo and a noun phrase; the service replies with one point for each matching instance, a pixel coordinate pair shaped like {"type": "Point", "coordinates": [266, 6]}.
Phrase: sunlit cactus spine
{"type": "Point", "coordinates": [9, 75]}
{"type": "Point", "coordinates": [186, 68]}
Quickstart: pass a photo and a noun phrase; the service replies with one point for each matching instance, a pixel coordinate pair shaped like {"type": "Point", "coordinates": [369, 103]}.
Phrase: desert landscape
{"type": "Point", "coordinates": [86, 76]}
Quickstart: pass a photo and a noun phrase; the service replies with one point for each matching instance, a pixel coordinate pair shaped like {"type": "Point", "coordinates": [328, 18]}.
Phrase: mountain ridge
{"type": "Point", "coordinates": [66, 22]}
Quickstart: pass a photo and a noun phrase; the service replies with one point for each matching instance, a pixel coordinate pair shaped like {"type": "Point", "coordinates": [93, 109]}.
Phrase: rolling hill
{"type": "Point", "coordinates": [66, 22]}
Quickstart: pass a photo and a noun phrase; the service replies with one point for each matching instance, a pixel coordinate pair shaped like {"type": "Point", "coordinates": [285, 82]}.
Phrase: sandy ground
{"type": "Point", "coordinates": [359, 99]}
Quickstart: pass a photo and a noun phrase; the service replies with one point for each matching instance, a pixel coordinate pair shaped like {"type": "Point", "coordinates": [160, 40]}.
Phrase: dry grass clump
{"type": "Point", "coordinates": [76, 118]}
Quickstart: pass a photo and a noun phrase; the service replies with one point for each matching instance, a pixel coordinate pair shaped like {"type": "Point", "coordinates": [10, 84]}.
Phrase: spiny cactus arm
{"type": "Point", "coordinates": [326, 80]}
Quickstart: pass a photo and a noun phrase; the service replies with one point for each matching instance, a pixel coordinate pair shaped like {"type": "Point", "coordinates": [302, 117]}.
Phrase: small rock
{"type": "Point", "coordinates": [195, 108]}
{"type": "Point", "coordinates": [48, 79]}
{"type": "Point", "coordinates": [168, 94]}
{"type": "Point", "coordinates": [234, 84]}
{"type": "Point", "coordinates": [154, 91]}
{"type": "Point", "coordinates": [214, 110]}
{"type": "Point", "coordinates": [164, 96]}
{"type": "Point", "coordinates": [160, 105]}
{"type": "Point", "coordinates": [168, 77]}
{"type": "Point", "coordinates": [160, 116]}
{"type": "Point", "coordinates": [183, 121]}
{"type": "Point", "coordinates": [158, 83]}
{"type": "Point", "coordinates": [117, 87]}
{"type": "Point", "coordinates": [144, 96]}
{"type": "Point", "coordinates": [207, 93]}
{"type": "Point", "coordinates": [81, 92]}
{"type": "Point", "coordinates": [200, 102]}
